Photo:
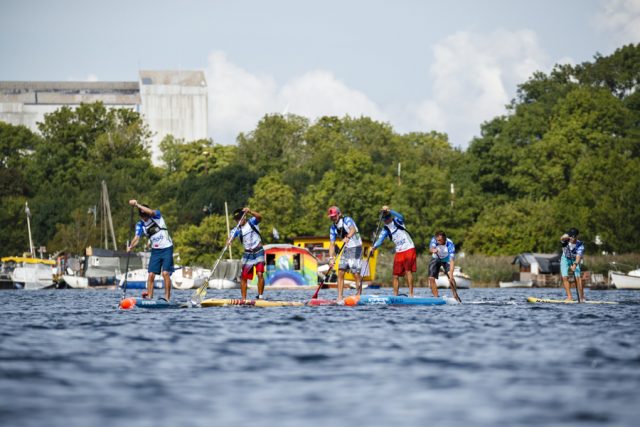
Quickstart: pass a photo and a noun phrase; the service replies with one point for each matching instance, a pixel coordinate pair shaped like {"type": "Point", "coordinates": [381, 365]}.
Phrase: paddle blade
{"type": "Point", "coordinates": [199, 295]}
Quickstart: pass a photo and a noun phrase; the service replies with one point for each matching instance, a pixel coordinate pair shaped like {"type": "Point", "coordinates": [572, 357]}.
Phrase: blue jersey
{"type": "Point", "coordinates": [397, 233]}
{"type": "Point", "coordinates": [248, 233]}
{"type": "Point", "coordinates": [156, 230]}
{"type": "Point", "coordinates": [445, 252]}
{"type": "Point", "coordinates": [341, 229]}
{"type": "Point", "coordinates": [572, 250]}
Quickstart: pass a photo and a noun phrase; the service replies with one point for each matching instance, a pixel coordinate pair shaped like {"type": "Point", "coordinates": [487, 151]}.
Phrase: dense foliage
{"type": "Point", "coordinates": [567, 154]}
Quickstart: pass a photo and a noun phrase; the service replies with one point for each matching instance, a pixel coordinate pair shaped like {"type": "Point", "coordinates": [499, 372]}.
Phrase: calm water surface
{"type": "Point", "coordinates": [71, 358]}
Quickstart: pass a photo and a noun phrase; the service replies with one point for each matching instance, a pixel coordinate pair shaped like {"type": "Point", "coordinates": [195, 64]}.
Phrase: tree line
{"type": "Point", "coordinates": [566, 154]}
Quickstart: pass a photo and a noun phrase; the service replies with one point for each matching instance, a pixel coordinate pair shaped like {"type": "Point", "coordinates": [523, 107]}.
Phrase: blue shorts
{"type": "Point", "coordinates": [161, 259]}
{"type": "Point", "coordinates": [565, 263]}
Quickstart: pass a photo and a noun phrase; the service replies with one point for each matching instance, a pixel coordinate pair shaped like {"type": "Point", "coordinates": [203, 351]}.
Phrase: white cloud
{"type": "Point", "coordinates": [474, 76]}
{"type": "Point", "coordinates": [621, 18]}
{"type": "Point", "coordinates": [238, 99]}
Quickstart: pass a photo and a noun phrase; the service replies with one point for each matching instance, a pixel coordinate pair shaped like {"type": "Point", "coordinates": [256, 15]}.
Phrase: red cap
{"type": "Point", "coordinates": [333, 211]}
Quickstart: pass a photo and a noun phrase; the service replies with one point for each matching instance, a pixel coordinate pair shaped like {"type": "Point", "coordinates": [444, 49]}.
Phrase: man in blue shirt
{"type": "Point", "coordinates": [572, 254]}
{"type": "Point", "coordinates": [248, 232]}
{"type": "Point", "coordinates": [404, 260]}
{"type": "Point", "coordinates": [444, 252]}
{"type": "Point", "coordinates": [152, 225]}
{"type": "Point", "coordinates": [345, 229]}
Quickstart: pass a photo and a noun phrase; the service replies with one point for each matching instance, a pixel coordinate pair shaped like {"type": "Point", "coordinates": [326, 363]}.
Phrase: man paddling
{"type": "Point", "coordinates": [248, 232]}
{"type": "Point", "coordinates": [153, 226]}
{"type": "Point", "coordinates": [345, 229]}
{"type": "Point", "coordinates": [572, 253]}
{"type": "Point", "coordinates": [404, 261]}
{"type": "Point", "coordinates": [444, 252]}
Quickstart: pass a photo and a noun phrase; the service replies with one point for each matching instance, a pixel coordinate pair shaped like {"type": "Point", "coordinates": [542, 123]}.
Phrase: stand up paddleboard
{"type": "Point", "coordinates": [391, 300]}
{"type": "Point", "coordinates": [563, 301]}
{"type": "Point", "coordinates": [129, 303]}
{"type": "Point", "coordinates": [256, 303]}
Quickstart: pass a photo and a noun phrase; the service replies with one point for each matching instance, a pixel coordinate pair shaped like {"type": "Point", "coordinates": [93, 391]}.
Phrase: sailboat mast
{"type": "Point", "coordinates": [108, 211]}
{"type": "Point", "coordinates": [28, 212]}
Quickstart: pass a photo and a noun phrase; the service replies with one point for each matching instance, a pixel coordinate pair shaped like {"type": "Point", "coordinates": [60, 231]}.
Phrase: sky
{"type": "Point", "coordinates": [419, 65]}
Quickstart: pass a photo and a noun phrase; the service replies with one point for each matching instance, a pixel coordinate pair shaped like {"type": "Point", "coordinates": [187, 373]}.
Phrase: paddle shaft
{"type": "Point", "coordinates": [315, 295]}
{"type": "Point", "coordinates": [126, 269]}
{"type": "Point", "coordinates": [366, 264]}
{"type": "Point", "coordinates": [198, 295]}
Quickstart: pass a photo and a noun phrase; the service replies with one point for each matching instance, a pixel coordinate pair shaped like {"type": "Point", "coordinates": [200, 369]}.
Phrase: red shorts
{"type": "Point", "coordinates": [404, 261]}
{"type": "Point", "coordinates": [247, 270]}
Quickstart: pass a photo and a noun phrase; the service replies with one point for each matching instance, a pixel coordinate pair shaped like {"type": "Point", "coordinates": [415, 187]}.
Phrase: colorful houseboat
{"type": "Point", "coordinates": [288, 267]}
{"type": "Point", "coordinates": [319, 247]}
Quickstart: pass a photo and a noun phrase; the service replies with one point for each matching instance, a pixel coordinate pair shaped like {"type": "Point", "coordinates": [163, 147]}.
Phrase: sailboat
{"type": "Point", "coordinates": [27, 272]}
{"type": "Point", "coordinates": [100, 266]}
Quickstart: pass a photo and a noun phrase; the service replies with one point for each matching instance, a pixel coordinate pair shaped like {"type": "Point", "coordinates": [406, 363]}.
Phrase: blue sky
{"type": "Point", "coordinates": [418, 65]}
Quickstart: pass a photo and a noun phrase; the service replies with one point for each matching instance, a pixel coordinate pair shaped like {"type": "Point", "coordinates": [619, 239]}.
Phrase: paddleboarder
{"type": "Point", "coordinates": [572, 254]}
{"type": "Point", "coordinates": [344, 228]}
{"type": "Point", "coordinates": [443, 254]}
{"type": "Point", "coordinates": [152, 225]}
{"type": "Point", "coordinates": [248, 232]}
{"type": "Point", "coordinates": [404, 261]}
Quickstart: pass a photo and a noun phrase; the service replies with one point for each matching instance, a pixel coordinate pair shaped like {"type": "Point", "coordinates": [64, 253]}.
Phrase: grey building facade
{"type": "Point", "coordinates": [171, 102]}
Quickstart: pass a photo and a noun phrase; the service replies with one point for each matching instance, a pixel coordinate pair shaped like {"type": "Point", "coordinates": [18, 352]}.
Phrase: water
{"type": "Point", "coordinates": [70, 358]}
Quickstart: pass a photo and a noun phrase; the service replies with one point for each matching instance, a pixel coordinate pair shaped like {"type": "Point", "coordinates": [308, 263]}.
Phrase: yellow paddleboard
{"type": "Point", "coordinates": [212, 302]}
{"type": "Point", "coordinates": [563, 301]}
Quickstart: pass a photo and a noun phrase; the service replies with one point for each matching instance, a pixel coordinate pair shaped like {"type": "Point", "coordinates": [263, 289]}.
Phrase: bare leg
{"type": "Point", "coordinates": [396, 285]}
{"type": "Point", "coordinates": [340, 284]}
{"type": "Point", "coordinates": [434, 287]}
{"type": "Point", "coordinates": [166, 276]}
{"type": "Point", "coordinates": [358, 283]}
{"type": "Point", "coordinates": [410, 282]}
{"type": "Point", "coordinates": [567, 288]}
{"type": "Point", "coordinates": [243, 288]}
{"type": "Point", "coordinates": [150, 279]}
{"type": "Point", "coordinates": [260, 283]}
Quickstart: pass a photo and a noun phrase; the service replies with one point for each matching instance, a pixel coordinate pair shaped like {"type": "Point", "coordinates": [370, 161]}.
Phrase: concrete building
{"type": "Point", "coordinates": [171, 102]}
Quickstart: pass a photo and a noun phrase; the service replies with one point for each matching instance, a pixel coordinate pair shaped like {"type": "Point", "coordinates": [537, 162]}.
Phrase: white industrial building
{"type": "Point", "coordinates": [171, 102]}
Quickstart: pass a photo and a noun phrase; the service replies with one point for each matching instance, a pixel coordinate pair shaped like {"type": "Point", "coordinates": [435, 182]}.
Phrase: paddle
{"type": "Point", "coordinates": [365, 267]}
{"type": "Point", "coordinates": [575, 279]}
{"type": "Point", "coordinates": [126, 270]}
{"type": "Point", "coordinates": [201, 292]}
{"type": "Point", "coordinates": [454, 288]}
{"type": "Point", "coordinates": [327, 274]}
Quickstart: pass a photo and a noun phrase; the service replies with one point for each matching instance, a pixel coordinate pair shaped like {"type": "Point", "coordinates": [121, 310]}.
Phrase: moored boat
{"type": "Point", "coordinates": [463, 281]}
{"type": "Point", "coordinates": [137, 279]}
{"type": "Point", "coordinates": [30, 273]}
{"type": "Point", "coordinates": [620, 280]}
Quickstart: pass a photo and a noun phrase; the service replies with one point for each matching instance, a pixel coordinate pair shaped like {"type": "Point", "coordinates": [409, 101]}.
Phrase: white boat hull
{"type": "Point", "coordinates": [624, 281]}
{"type": "Point", "coordinates": [76, 282]}
{"type": "Point", "coordinates": [518, 284]}
{"type": "Point", "coordinates": [32, 276]}
{"type": "Point", "coordinates": [189, 278]}
{"type": "Point", "coordinates": [462, 281]}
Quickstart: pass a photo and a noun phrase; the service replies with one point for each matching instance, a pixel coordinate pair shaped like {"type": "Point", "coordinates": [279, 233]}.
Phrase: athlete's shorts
{"type": "Point", "coordinates": [161, 260]}
{"type": "Point", "coordinates": [251, 260]}
{"type": "Point", "coordinates": [351, 260]}
{"type": "Point", "coordinates": [565, 263]}
{"type": "Point", "coordinates": [434, 267]}
{"type": "Point", "coordinates": [404, 261]}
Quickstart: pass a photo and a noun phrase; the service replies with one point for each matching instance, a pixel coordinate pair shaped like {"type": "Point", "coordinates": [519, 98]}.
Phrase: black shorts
{"type": "Point", "coordinates": [434, 267]}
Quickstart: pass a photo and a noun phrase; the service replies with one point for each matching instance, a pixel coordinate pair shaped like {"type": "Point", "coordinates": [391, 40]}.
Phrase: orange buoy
{"type": "Point", "coordinates": [128, 303]}
{"type": "Point", "coordinates": [352, 300]}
